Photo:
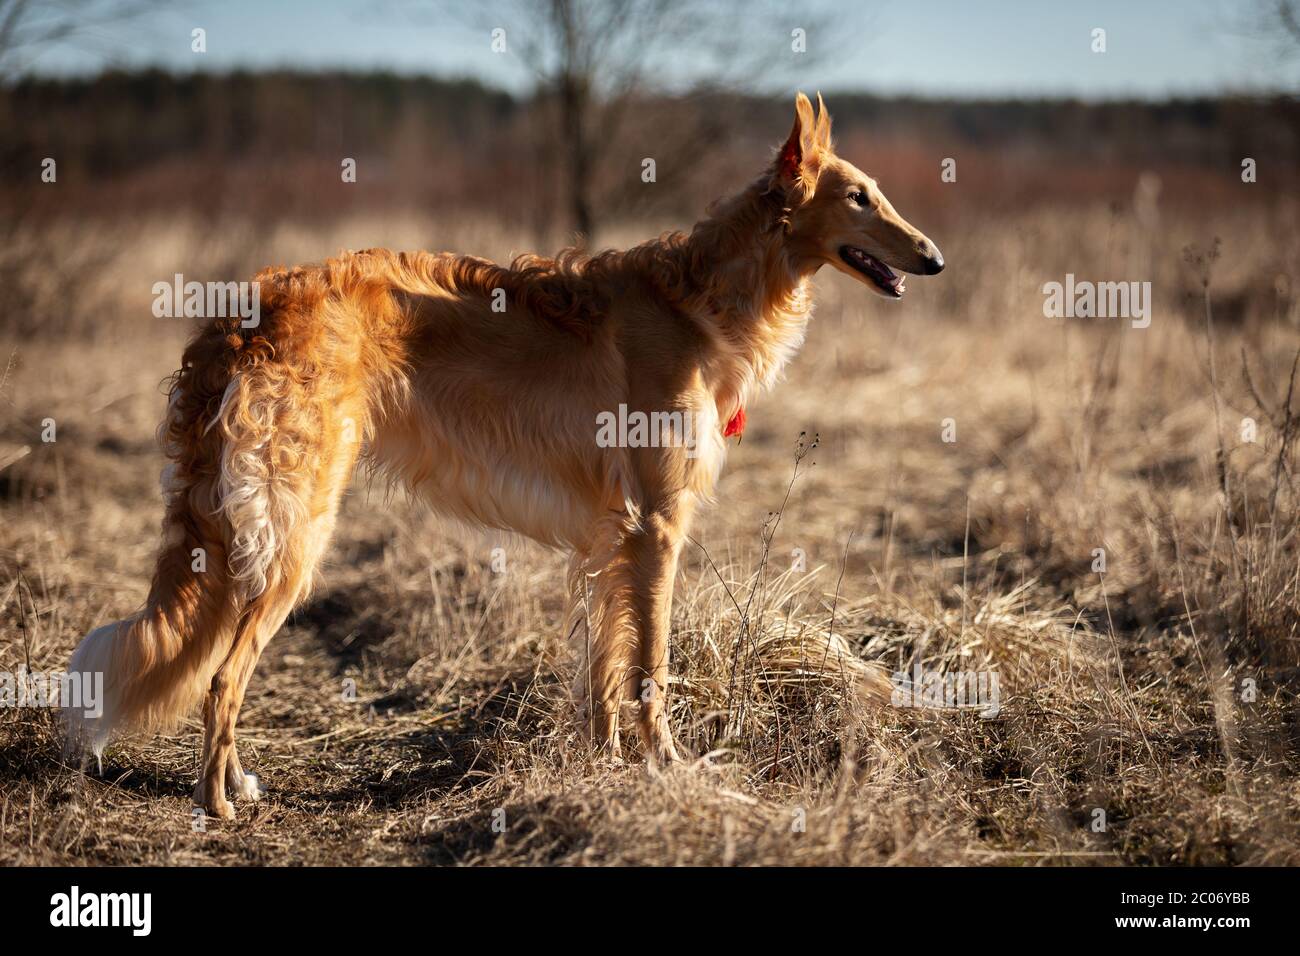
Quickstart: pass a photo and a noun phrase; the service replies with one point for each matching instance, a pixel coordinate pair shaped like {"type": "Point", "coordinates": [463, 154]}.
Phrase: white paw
{"type": "Point", "coordinates": [250, 788]}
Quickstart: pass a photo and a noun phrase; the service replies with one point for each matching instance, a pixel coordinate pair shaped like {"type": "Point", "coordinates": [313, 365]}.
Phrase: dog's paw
{"type": "Point", "coordinates": [662, 752]}
{"type": "Point", "coordinates": [214, 805]}
{"type": "Point", "coordinates": [221, 809]}
{"type": "Point", "coordinates": [657, 740]}
{"type": "Point", "coordinates": [249, 788]}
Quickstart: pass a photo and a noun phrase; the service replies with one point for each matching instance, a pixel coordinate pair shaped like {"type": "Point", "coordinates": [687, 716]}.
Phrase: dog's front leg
{"type": "Point", "coordinates": [602, 627]}
{"type": "Point", "coordinates": [653, 553]}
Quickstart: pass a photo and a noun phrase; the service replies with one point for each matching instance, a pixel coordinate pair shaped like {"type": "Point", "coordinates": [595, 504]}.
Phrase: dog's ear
{"type": "Point", "coordinates": [793, 158]}
{"type": "Point", "coordinates": [822, 136]}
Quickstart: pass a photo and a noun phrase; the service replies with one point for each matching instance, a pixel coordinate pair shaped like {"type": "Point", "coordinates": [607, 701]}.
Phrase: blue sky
{"type": "Point", "coordinates": [933, 47]}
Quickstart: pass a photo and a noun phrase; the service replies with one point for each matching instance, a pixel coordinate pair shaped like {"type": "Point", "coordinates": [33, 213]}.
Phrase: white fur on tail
{"type": "Point", "coordinates": [94, 655]}
{"type": "Point", "coordinates": [156, 665]}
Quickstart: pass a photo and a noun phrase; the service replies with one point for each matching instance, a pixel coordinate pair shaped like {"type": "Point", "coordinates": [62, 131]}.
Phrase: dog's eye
{"type": "Point", "coordinates": [860, 198]}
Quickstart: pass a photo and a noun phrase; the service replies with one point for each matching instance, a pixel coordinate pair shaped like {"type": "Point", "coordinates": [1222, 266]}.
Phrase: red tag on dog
{"type": "Point", "coordinates": [737, 424]}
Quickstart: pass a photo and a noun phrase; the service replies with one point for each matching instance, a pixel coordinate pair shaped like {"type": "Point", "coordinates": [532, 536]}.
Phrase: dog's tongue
{"type": "Point", "coordinates": [887, 275]}
{"type": "Point", "coordinates": [737, 424]}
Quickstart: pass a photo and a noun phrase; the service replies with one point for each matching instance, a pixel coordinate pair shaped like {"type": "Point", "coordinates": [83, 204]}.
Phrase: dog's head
{"type": "Point", "coordinates": [838, 215]}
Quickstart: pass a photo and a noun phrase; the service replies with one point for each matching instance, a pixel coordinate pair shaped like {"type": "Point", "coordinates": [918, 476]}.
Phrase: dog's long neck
{"type": "Point", "coordinates": [748, 293]}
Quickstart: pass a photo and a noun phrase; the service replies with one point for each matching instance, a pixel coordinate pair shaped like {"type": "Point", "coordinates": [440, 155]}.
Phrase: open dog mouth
{"type": "Point", "coordinates": [881, 276]}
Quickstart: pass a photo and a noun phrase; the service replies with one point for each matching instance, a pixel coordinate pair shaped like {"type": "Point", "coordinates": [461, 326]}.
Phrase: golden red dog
{"type": "Point", "coordinates": [490, 415]}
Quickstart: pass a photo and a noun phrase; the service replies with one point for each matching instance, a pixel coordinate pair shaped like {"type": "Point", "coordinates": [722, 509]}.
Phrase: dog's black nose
{"type": "Point", "coordinates": [934, 264]}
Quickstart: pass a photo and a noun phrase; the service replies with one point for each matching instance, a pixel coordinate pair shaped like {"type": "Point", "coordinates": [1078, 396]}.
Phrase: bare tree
{"type": "Point", "coordinates": [27, 28]}
{"type": "Point", "coordinates": [597, 61]}
{"type": "Point", "coordinates": [1286, 13]}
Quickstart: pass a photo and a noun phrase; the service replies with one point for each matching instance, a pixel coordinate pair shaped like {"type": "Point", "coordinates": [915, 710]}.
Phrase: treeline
{"type": "Point", "coordinates": [275, 143]}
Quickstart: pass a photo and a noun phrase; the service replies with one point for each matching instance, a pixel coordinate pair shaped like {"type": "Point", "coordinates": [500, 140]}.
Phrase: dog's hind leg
{"type": "Point", "coordinates": [226, 695]}
{"type": "Point", "coordinates": [285, 574]}
{"type": "Point", "coordinates": [222, 768]}
{"type": "Point", "coordinates": [247, 786]}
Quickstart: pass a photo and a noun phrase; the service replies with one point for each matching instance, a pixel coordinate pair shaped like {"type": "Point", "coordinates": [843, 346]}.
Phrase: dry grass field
{"type": "Point", "coordinates": [1148, 713]}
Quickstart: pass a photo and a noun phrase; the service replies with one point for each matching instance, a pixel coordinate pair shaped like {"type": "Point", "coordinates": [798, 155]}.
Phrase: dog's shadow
{"type": "Point", "coordinates": [433, 753]}
{"type": "Point", "coordinates": [345, 623]}
{"type": "Point", "coordinates": [430, 751]}
{"type": "Point", "coordinates": [42, 759]}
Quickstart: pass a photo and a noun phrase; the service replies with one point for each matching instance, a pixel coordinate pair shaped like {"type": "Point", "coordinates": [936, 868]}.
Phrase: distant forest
{"type": "Point", "coordinates": [275, 143]}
